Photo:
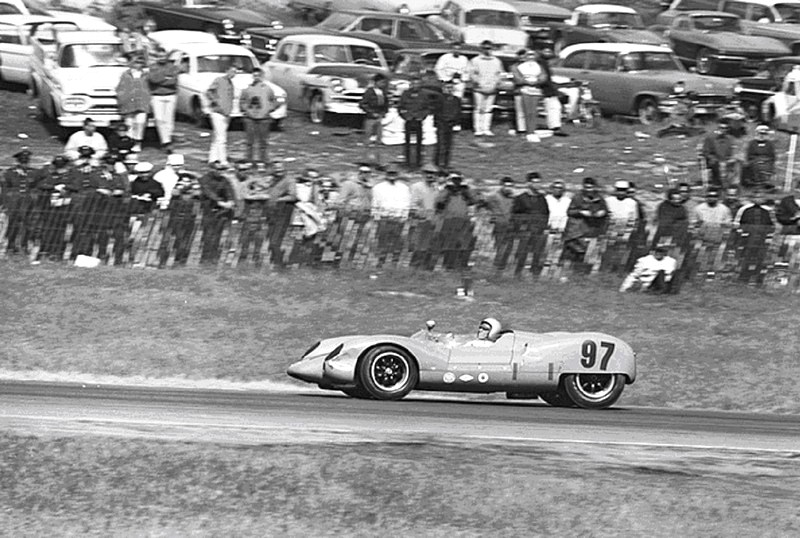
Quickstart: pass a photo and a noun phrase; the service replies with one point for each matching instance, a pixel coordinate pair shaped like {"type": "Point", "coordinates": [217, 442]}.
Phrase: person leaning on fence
{"type": "Point", "coordinates": [113, 217]}
{"type": "Point", "coordinates": [672, 219]}
{"type": "Point", "coordinates": [787, 213]}
{"type": "Point", "coordinates": [217, 202]}
{"type": "Point", "coordinates": [254, 184]}
{"type": "Point", "coordinates": [84, 180]}
{"type": "Point", "coordinates": [52, 184]}
{"type": "Point", "coordinates": [453, 204]}
{"type": "Point", "coordinates": [557, 204]}
{"type": "Point", "coordinates": [181, 219]}
{"type": "Point", "coordinates": [169, 177]}
{"type": "Point", "coordinates": [753, 223]}
{"type": "Point", "coordinates": [133, 99]}
{"type": "Point", "coordinates": [257, 103]}
{"type": "Point", "coordinates": [485, 72]}
{"type": "Point", "coordinates": [18, 196]}
{"type": "Point", "coordinates": [587, 218]}
{"type": "Point", "coordinates": [652, 273]}
{"type": "Point", "coordinates": [760, 156]}
{"type": "Point", "coordinates": [120, 144]}
{"type": "Point", "coordinates": [711, 218]}
{"type": "Point", "coordinates": [375, 104]}
{"type": "Point", "coordinates": [87, 136]}
{"type": "Point", "coordinates": [623, 211]}
{"type": "Point", "coordinates": [282, 199]}
{"type": "Point", "coordinates": [391, 204]}
{"type": "Point", "coordinates": [530, 214]}
{"type": "Point", "coordinates": [499, 205]}
{"type": "Point", "coordinates": [423, 207]}
{"type": "Point", "coordinates": [162, 79]}
{"type": "Point", "coordinates": [145, 190]}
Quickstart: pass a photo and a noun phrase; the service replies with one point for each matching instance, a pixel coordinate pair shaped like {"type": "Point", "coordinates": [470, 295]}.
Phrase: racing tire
{"type": "Point", "coordinates": [703, 63]}
{"type": "Point", "coordinates": [316, 108]}
{"type": "Point", "coordinates": [593, 390]}
{"type": "Point", "coordinates": [358, 393]}
{"type": "Point", "coordinates": [647, 111]}
{"type": "Point", "coordinates": [557, 398]}
{"type": "Point", "coordinates": [387, 373]}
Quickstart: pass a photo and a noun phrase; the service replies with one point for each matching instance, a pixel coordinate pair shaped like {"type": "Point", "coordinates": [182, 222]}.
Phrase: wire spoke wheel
{"type": "Point", "coordinates": [390, 370]}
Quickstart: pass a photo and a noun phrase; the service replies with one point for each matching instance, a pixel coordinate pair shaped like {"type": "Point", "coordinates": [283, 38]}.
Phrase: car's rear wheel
{"type": "Point", "coordinates": [557, 398]}
{"type": "Point", "coordinates": [387, 373]}
{"type": "Point", "coordinates": [704, 63]}
{"type": "Point", "coordinates": [594, 391]}
{"type": "Point", "coordinates": [316, 108]}
{"type": "Point", "coordinates": [647, 111]}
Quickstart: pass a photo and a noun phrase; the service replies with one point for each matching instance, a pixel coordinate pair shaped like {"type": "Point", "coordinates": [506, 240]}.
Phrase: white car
{"type": "Point", "coordinates": [324, 74]}
{"type": "Point", "coordinates": [202, 60]}
{"type": "Point", "coordinates": [17, 32]}
{"type": "Point", "coordinates": [475, 21]}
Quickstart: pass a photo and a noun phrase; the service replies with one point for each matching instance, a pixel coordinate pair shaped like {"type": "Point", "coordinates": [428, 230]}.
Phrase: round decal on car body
{"type": "Point", "coordinates": [449, 377]}
{"type": "Point", "coordinates": [483, 377]}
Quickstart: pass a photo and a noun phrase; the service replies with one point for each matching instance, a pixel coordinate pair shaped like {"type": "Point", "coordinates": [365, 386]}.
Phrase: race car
{"type": "Point", "coordinates": [582, 369]}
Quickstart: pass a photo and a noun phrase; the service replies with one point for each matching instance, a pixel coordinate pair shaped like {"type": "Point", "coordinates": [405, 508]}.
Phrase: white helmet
{"type": "Point", "coordinates": [494, 328]}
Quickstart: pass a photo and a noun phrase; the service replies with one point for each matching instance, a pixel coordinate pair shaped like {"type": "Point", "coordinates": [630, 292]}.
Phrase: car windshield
{"type": "Point", "coordinates": [337, 21]}
{"type": "Point", "coordinates": [615, 20]}
{"type": "Point", "coordinates": [219, 63]}
{"type": "Point", "coordinates": [346, 54]}
{"type": "Point", "coordinates": [46, 32]}
{"type": "Point", "coordinates": [789, 12]}
{"type": "Point", "coordinates": [717, 24]}
{"type": "Point", "coordinates": [492, 17]}
{"type": "Point", "coordinates": [651, 61]}
{"type": "Point", "coordinates": [92, 55]}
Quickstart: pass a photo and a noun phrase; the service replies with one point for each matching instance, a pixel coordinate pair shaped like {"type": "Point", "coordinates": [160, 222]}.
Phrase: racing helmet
{"type": "Point", "coordinates": [494, 328]}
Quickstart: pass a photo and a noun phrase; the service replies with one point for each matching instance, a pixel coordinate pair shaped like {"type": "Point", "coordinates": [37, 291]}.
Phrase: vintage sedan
{"type": "Point", "coordinates": [639, 80]}
{"type": "Point", "coordinates": [605, 23]}
{"type": "Point", "coordinates": [541, 21]}
{"type": "Point", "coordinates": [202, 61]}
{"type": "Point", "coordinates": [324, 74]}
{"type": "Point", "coordinates": [583, 369]}
{"type": "Point", "coordinates": [757, 89]}
{"type": "Point", "coordinates": [473, 21]}
{"type": "Point", "coordinates": [17, 32]}
{"type": "Point", "coordinates": [715, 43]}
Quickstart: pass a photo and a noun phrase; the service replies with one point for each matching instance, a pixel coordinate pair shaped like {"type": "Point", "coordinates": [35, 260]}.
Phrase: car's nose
{"type": "Point", "coordinates": [306, 370]}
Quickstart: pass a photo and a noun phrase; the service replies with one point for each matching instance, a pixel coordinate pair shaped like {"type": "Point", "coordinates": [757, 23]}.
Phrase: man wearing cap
{"type": "Point", "coordinates": [423, 208]}
{"type": "Point", "coordinates": [113, 215]}
{"type": "Point", "coordinates": [84, 180]}
{"type": "Point", "coordinates": [217, 201]}
{"type": "Point", "coordinates": [453, 205]}
{"type": "Point", "coordinates": [391, 204]}
{"type": "Point", "coordinates": [499, 205]}
{"type": "Point", "coordinates": [145, 190]}
{"type": "Point", "coordinates": [711, 216]}
{"type": "Point", "coordinates": [53, 181]}
{"type": "Point", "coordinates": [446, 115]}
{"type": "Point", "coordinates": [652, 273]}
{"type": "Point", "coordinates": [753, 223]}
{"type": "Point", "coordinates": [588, 217]}
{"type": "Point", "coordinates": [181, 220]}
{"type": "Point", "coordinates": [18, 196]}
{"type": "Point", "coordinates": [718, 151]}
{"type": "Point", "coordinates": [557, 204]}
{"type": "Point", "coordinates": [282, 200]}
{"type": "Point", "coordinates": [485, 71]}
{"type": "Point", "coordinates": [133, 99]}
{"type": "Point", "coordinates": [530, 214]}
{"type": "Point", "coordinates": [623, 211]}
{"type": "Point", "coordinates": [414, 106]}
{"type": "Point", "coordinates": [759, 166]}
{"type": "Point", "coordinates": [162, 79]}
{"type": "Point", "coordinates": [220, 96]}
{"type": "Point", "coordinates": [120, 144]}
{"type": "Point", "coordinates": [257, 103]}
{"type": "Point", "coordinates": [169, 177]}
{"type": "Point", "coordinates": [253, 189]}
{"type": "Point", "coordinates": [453, 67]}
{"type": "Point", "coordinates": [375, 104]}
{"type": "Point", "coordinates": [527, 80]}
{"type": "Point", "coordinates": [87, 136]}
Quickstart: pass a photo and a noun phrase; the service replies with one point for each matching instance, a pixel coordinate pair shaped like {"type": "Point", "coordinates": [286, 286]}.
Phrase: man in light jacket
{"type": "Point", "coordinates": [220, 98]}
{"type": "Point", "coordinates": [257, 102]}
{"type": "Point", "coordinates": [133, 100]}
{"type": "Point", "coordinates": [484, 75]}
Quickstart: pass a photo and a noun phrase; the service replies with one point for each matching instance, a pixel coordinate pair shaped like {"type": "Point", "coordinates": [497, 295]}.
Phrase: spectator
{"type": "Point", "coordinates": [681, 116]}
{"type": "Point", "coordinates": [453, 67]}
{"type": "Point", "coordinates": [136, 39]}
{"type": "Point", "coordinates": [88, 136]}
{"type": "Point", "coordinates": [753, 223]}
{"type": "Point", "coordinates": [145, 190]}
{"type": "Point", "coordinates": [686, 196]}
{"type": "Point", "coordinates": [423, 207]}
{"type": "Point", "coordinates": [587, 218]}
{"type": "Point", "coordinates": [133, 100]}
{"type": "Point", "coordinates": [732, 200]}
{"type": "Point", "coordinates": [355, 195]}
{"type": "Point", "coordinates": [112, 212]}
{"type": "Point", "coordinates": [718, 151]}
{"type": "Point", "coordinates": [530, 214]}
{"type": "Point", "coordinates": [257, 103]}
{"type": "Point", "coordinates": [84, 180]}
{"type": "Point", "coordinates": [162, 79]}
{"type": "Point", "coordinates": [17, 196]}
{"type": "Point", "coordinates": [375, 104]}
{"type": "Point", "coordinates": [447, 115]}
{"type": "Point", "coordinates": [217, 202]}
{"type": "Point", "coordinates": [414, 107]}
{"type": "Point", "coordinates": [557, 205]}
{"type": "Point", "coordinates": [391, 203]}
{"type": "Point", "coordinates": [53, 182]}
{"type": "Point", "coordinates": [254, 185]}
{"type": "Point", "coordinates": [652, 273]}
{"type": "Point", "coordinates": [181, 221]}
{"type": "Point", "coordinates": [759, 166]}
{"type": "Point", "coordinates": [499, 204]}
{"type": "Point", "coordinates": [788, 213]}
{"type": "Point", "coordinates": [485, 72]}
{"type": "Point", "coordinates": [169, 177]}
{"type": "Point", "coordinates": [527, 79]}
{"type": "Point", "coordinates": [282, 198]}
{"type": "Point", "coordinates": [711, 217]}
{"type": "Point", "coordinates": [455, 235]}
{"type": "Point", "coordinates": [672, 219]}
{"type": "Point", "coordinates": [623, 211]}
{"type": "Point", "coordinates": [552, 104]}
{"type": "Point", "coordinates": [120, 144]}
{"type": "Point", "coordinates": [220, 96]}
{"type": "Point", "coordinates": [755, 215]}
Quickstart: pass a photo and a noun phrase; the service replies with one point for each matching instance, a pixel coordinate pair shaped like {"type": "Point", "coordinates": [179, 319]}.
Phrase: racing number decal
{"type": "Point", "coordinates": [589, 353]}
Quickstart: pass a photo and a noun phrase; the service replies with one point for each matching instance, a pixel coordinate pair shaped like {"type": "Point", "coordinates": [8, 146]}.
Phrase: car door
{"type": "Point", "coordinates": [603, 68]}
{"type": "Point", "coordinates": [680, 39]}
{"type": "Point", "coordinates": [182, 61]}
{"type": "Point", "coordinates": [280, 71]}
{"type": "Point", "coordinates": [14, 54]}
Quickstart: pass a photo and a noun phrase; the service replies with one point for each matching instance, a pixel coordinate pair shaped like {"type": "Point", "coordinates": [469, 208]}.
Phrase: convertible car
{"type": "Point", "coordinates": [585, 369]}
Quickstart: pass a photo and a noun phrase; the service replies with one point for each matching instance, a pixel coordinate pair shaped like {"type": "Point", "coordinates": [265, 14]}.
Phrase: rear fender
{"type": "Point", "coordinates": [595, 353]}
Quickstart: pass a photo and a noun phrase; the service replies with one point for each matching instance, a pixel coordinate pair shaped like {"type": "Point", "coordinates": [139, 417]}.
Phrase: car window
{"type": "Point", "coordinates": [8, 9]}
{"type": "Point", "coordinates": [413, 30]}
{"type": "Point", "coordinates": [577, 60]}
{"type": "Point", "coordinates": [407, 64]}
{"type": "Point", "coordinates": [717, 24]}
{"type": "Point", "coordinates": [330, 54]}
{"type": "Point", "coordinates": [696, 5]}
{"type": "Point", "coordinates": [283, 52]}
{"type": "Point", "coordinates": [9, 34]}
{"type": "Point", "coordinates": [613, 19]}
{"type": "Point", "coordinates": [46, 32]}
{"type": "Point", "coordinates": [365, 55]}
{"type": "Point", "coordinates": [682, 23]}
{"type": "Point", "coordinates": [219, 63]}
{"type": "Point", "coordinates": [660, 61]}
{"type": "Point", "coordinates": [337, 21]}
{"type": "Point", "coordinates": [92, 55]}
{"type": "Point", "coordinates": [788, 12]}
{"type": "Point", "coordinates": [300, 54]}
{"type": "Point", "coordinates": [632, 62]}
{"type": "Point", "coordinates": [493, 17]}
{"type": "Point", "coordinates": [737, 8]}
{"type": "Point", "coordinates": [603, 61]}
{"type": "Point", "coordinates": [376, 25]}
{"type": "Point", "coordinates": [758, 13]}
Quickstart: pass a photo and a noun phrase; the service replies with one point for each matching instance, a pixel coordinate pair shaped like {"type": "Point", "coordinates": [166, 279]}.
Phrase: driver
{"type": "Point", "coordinates": [489, 330]}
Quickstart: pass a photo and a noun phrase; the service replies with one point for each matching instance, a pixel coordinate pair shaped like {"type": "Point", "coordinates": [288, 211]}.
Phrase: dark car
{"type": "Point", "coordinates": [605, 23]}
{"type": "Point", "coordinates": [215, 16]}
{"type": "Point", "coordinates": [390, 31]}
{"type": "Point", "coordinates": [764, 84]}
{"type": "Point", "coordinates": [715, 44]}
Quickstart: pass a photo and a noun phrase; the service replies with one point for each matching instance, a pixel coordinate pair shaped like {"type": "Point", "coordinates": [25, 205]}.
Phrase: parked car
{"type": "Point", "coordinates": [670, 10]}
{"type": "Point", "coordinates": [390, 31]}
{"type": "Point", "coordinates": [640, 80]}
{"type": "Point", "coordinates": [473, 21]}
{"type": "Point", "coordinates": [324, 74]}
{"type": "Point", "coordinates": [540, 21]}
{"type": "Point", "coordinates": [215, 16]}
{"type": "Point", "coordinates": [605, 23]}
{"type": "Point", "coordinates": [782, 109]}
{"type": "Point", "coordinates": [17, 32]}
{"type": "Point", "coordinates": [202, 59]}
{"type": "Point", "coordinates": [755, 90]}
{"type": "Point", "coordinates": [715, 43]}
{"type": "Point", "coordinates": [318, 10]}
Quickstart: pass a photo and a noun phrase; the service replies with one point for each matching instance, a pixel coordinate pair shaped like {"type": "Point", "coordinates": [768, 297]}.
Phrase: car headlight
{"type": "Point", "coordinates": [227, 25]}
{"type": "Point", "coordinates": [337, 85]}
{"type": "Point", "coordinates": [679, 87]}
{"type": "Point", "coordinates": [76, 103]}
{"type": "Point", "coordinates": [738, 88]}
{"type": "Point", "coordinates": [281, 99]}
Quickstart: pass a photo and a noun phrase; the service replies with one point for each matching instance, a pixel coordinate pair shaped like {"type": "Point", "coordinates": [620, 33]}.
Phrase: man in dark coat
{"type": "Point", "coordinates": [587, 218]}
{"type": "Point", "coordinates": [753, 223]}
{"type": "Point", "coordinates": [53, 181]}
{"type": "Point", "coordinates": [375, 104]}
{"type": "Point", "coordinates": [455, 234]}
{"type": "Point", "coordinates": [760, 155]}
{"type": "Point", "coordinates": [86, 206]}
{"type": "Point", "coordinates": [530, 214]}
{"type": "Point", "coordinates": [218, 200]}
{"type": "Point", "coordinates": [18, 194]}
{"type": "Point", "coordinates": [672, 219]}
{"type": "Point", "coordinates": [446, 115]}
{"type": "Point", "coordinates": [414, 107]}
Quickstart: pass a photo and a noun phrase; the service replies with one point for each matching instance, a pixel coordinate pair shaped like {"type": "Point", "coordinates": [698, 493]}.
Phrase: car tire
{"type": "Point", "coordinates": [316, 108]}
{"type": "Point", "coordinates": [357, 392]}
{"type": "Point", "coordinates": [557, 398]}
{"type": "Point", "coordinates": [647, 111]}
{"type": "Point", "coordinates": [703, 63]}
{"type": "Point", "coordinates": [387, 372]}
{"type": "Point", "coordinates": [594, 390]}
{"type": "Point", "coordinates": [199, 117]}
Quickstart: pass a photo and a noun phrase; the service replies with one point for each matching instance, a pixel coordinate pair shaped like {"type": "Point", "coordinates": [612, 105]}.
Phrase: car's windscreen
{"type": "Point", "coordinates": [717, 24]}
{"type": "Point", "coordinates": [92, 55]}
{"type": "Point", "coordinates": [45, 33]}
{"type": "Point", "coordinates": [346, 54]}
{"type": "Point", "coordinates": [616, 20]}
{"type": "Point", "coordinates": [651, 61]}
{"type": "Point", "coordinates": [220, 63]}
{"type": "Point", "coordinates": [492, 17]}
{"type": "Point", "coordinates": [337, 21]}
{"type": "Point", "coordinates": [789, 12]}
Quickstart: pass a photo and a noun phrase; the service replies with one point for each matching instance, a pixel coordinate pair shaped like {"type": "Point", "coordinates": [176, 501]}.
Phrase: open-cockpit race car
{"type": "Point", "coordinates": [583, 369]}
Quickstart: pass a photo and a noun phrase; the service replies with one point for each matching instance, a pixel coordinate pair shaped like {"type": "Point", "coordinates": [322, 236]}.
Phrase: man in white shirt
{"type": "Point", "coordinates": [88, 136]}
{"type": "Point", "coordinates": [391, 204]}
{"type": "Point", "coordinates": [711, 215]}
{"type": "Point", "coordinates": [623, 211]}
{"type": "Point", "coordinates": [485, 71]}
{"type": "Point", "coordinates": [168, 177]}
{"type": "Point", "coordinates": [652, 273]}
{"type": "Point", "coordinates": [453, 67]}
{"type": "Point", "coordinates": [558, 204]}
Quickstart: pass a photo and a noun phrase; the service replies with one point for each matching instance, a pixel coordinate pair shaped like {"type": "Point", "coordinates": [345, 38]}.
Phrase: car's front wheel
{"type": "Point", "coordinates": [316, 108]}
{"type": "Point", "coordinates": [594, 391]}
{"type": "Point", "coordinates": [387, 373]}
{"type": "Point", "coordinates": [647, 110]}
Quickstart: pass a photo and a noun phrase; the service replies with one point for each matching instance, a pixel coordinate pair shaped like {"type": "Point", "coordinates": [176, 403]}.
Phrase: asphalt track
{"type": "Point", "coordinates": [260, 417]}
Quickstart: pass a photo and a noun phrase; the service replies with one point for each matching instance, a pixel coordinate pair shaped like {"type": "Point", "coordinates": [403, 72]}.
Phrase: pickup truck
{"type": "Point", "coordinates": [473, 21]}
{"type": "Point", "coordinates": [75, 76]}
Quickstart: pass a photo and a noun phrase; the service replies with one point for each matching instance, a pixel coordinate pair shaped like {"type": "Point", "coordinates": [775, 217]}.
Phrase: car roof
{"type": "Point", "coordinates": [316, 39]}
{"type": "Point", "coordinates": [772, 2]}
{"type": "Point", "coordinates": [704, 13]}
{"type": "Point", "coordinates": [623, 48]}
{"type": "Point", "coordinates": [604, 8]}
{"type": "Point", "coordinates": [203, 49]}
{"type": "Point", "coordinates": [496, 5]}
{"type": "Point", "coordinates": [539, 8]}
{"type": "Point", "coordinates": [377, 14]}
{"type": "Point", "coordinates": [19, 20]}
{"type": "Point", "coordinates": [82, 36]}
